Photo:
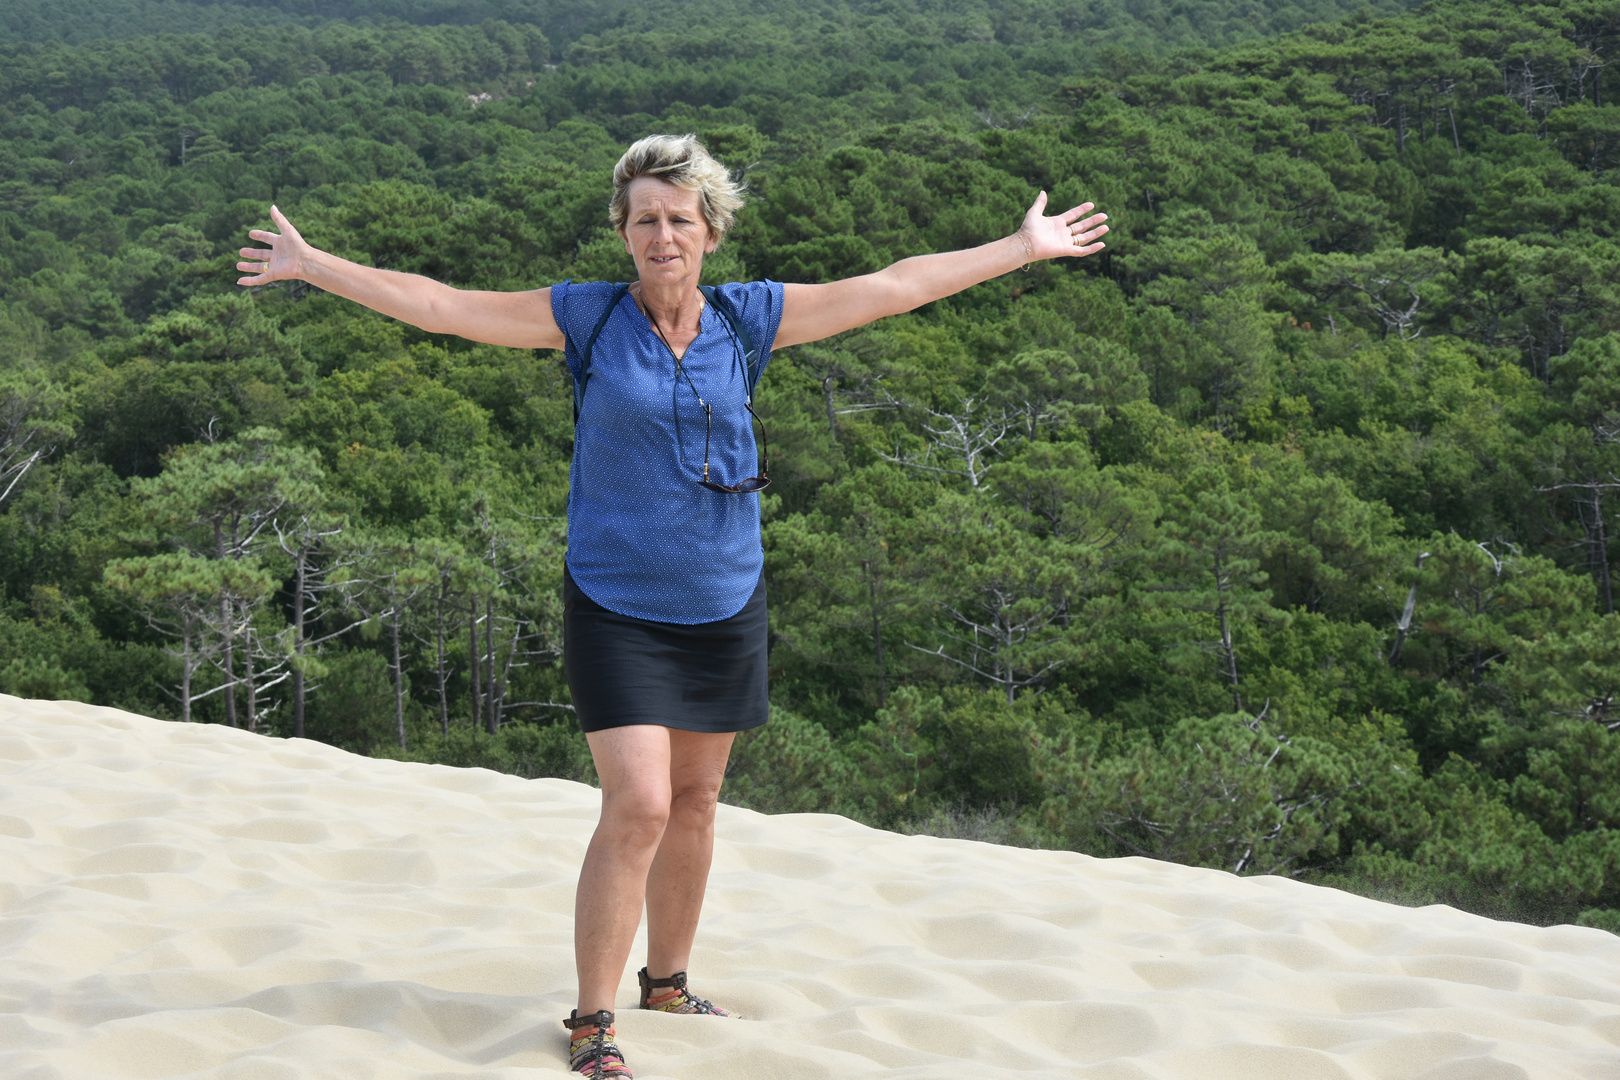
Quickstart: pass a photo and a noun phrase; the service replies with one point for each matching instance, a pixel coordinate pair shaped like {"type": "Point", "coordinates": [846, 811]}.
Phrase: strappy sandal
{"type": "Point", "coordinates": [591, 1050]}
{"type": "Point", "coordinates": [678, 999]}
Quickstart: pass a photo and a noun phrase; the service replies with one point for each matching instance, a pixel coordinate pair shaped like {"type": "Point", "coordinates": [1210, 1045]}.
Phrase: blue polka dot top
{"type": "Point", "coordinates": [644, 539]}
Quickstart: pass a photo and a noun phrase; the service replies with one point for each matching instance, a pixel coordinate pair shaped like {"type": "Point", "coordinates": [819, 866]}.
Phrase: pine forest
{"type": "Point", "coordinates": [1274, 539]}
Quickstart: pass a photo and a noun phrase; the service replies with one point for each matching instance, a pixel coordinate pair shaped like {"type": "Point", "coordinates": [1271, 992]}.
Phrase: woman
{"type": "Point", "coordinates": [664, 599]}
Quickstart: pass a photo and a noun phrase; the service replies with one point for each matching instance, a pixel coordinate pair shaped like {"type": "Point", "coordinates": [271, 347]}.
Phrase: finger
{"type": "Point", "coordinates": [1040, 204]}
{"type": "Point", "coordinates": [1074, 214]}
{"type": "Point", "coordinates": [256, 280]}
{"type": "Point", "coordinates": [281, 220]}
{"type": "Point", "coordinates": [256, 267]}
{"type": "Point", "coordinates": [263, 237]}
{"type": "Point", "coordinates": [1091, 234]}
{"type": "Point", "coordinates": [255, 253]}
{"type": "Point", "coordinates": [1089, 249]}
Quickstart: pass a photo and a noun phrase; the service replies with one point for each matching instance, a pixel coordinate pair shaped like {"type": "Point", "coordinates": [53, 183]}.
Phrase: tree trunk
{"type": "Point", "coordinates": [248, 680]}
{"type": "Point", "coordinates": [1231, 659]}
{"type": "Point", "coordinates": [444, 675]}
{"type": "Point", "coordinates": [229, 655]}
{"type": "Point", "coordinates": [1600, 551]}
{"type": "Point", "coordinates": [1228, 651]}
{"type": "Point", "coordinates": [877, 632]}
{"type": "Point", "coordinates": [832, 413]}
{"type": "Point", "coordinates": [187, 667]}
{"type": "Point", "coordinates": [230, 635]}
{"type": "Point", "coordinates": [1404, 627]}
{"type": "Point", "coordinates": [492, 704]}
{"type": "Point", "coordinates": [399, 682]}
{"type": "Point", "coordinates": [475, 684]}
{"type": "Point", "coordinates": [300, 566]}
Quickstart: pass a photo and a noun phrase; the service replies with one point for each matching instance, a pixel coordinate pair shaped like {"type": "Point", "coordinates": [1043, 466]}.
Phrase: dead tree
{"type": "Point", "coordinates": [1589, 507]}
{"type": "Point", "coordinates": [970, 435]}
{"type": "Point", "coordinates": [319, 573]}
{"type": "Point", "coordinates": [1403, 625]}
{"type": "Point", "coordinates": [28, 433]}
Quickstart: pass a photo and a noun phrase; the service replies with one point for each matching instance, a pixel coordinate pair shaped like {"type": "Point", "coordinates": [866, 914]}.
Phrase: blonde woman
{"type": "Point", "coordinates": [664, 598]}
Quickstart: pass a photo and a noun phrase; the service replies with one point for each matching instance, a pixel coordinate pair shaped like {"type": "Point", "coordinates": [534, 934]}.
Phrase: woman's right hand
{"type": "Point", "coordinates": [282, 262]}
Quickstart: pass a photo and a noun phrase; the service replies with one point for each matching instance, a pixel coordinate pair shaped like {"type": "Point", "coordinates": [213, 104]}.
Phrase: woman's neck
{"type": "Point", "coordinates": [674, 310]}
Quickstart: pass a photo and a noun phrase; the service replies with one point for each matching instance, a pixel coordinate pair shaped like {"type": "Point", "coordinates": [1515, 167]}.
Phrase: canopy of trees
{"type": "Point", "coordinates": [1277, 539]}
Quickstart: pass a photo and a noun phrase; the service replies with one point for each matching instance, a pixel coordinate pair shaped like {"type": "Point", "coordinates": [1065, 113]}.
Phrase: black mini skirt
{"type": "Point", "coordinates": [704, 677]}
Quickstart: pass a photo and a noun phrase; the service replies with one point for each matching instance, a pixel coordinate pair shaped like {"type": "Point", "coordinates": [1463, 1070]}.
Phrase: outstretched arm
{"type": "Point", "coordinates": [522, 320]}
{"type": "Point", "coordinates": [811, 312]}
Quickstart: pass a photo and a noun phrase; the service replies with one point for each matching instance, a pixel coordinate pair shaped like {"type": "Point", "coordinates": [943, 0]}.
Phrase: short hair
{"type": "Point", "coordinates": [681, 160]}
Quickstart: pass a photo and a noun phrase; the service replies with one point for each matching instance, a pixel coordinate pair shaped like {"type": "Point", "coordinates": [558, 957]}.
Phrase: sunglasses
{"type": "Point", "coordinates": [753, 483]}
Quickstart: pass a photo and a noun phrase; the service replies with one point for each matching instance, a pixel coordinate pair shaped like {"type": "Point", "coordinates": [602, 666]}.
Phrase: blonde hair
{"type": "Point", "coordinates": [681, 160]}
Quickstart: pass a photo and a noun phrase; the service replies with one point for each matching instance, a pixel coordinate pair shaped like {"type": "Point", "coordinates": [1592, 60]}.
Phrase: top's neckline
{"type": "Point", "coordinates": [646, 317]}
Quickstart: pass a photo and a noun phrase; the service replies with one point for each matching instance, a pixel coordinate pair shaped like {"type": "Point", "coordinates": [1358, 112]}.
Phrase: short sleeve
{"type": "Point", "coordinates": [559, 312]}
{"type": "Point", "coordinates": [758, 305]}
{"type": "Point", "coordinates": [577, 307]}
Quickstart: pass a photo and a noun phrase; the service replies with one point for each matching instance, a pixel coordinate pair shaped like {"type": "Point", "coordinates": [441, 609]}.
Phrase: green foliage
{"type": "Point", "coordinates": [37, 677]}
{"type": "Point", "coordinates": [1482, 855]}
{"type": "Point", "coordinates": [1276, 539]}
{"type": "Point", "coordinates": [355, 707]}
{"type": "Point", "coordinates": [790, 766]}
{"type": "Point", "coordinates": [526, 750]}
{"type": "Point", "coordinates": [1225, 792]}
{"type": "Point", "coordinates": [1602, 918]}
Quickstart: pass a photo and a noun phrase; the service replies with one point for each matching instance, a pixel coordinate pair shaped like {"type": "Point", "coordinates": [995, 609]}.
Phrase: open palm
{"type": "Point", "coordinates": [283, 260]}
{"type": "Point", "coordinates": [1069, 234]}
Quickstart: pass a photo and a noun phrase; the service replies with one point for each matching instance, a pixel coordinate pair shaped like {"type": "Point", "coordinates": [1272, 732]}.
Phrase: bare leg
{"type": "Point", "coordinates": [680, 870]}
{"type": "Point", "coordinates": [633, 765]}
{"type": "Point", "coordinates": [659, 788]}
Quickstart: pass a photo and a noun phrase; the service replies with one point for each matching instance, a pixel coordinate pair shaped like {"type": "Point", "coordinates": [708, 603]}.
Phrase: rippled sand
{"type": "Point", "coordinates": [195, 901]}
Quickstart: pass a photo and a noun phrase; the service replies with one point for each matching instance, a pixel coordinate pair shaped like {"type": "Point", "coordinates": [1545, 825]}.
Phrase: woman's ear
{"type": "Point", "coordinates": [625, 237]}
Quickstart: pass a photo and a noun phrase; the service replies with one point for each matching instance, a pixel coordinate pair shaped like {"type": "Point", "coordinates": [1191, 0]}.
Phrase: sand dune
{"type": "Point", "coordinates": [191, 901]}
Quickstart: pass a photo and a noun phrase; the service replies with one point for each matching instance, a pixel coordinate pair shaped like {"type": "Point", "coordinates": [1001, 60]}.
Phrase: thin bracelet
{"type": "Point", "coordinates": [1029, 249]}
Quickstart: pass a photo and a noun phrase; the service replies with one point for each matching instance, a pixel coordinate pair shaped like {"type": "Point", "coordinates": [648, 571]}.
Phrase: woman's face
{"type": "Point", "coordinates": [665, 232]}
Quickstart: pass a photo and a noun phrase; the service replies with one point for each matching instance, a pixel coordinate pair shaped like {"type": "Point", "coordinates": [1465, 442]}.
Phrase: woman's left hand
{"type": "Point", "coordinates": [1069, 234]}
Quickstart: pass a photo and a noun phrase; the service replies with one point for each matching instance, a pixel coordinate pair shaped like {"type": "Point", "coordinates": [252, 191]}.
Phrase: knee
{"type": "Point", "coordinates": [636, 820]}
{"type": "Point", "coordinates": [694, 806]}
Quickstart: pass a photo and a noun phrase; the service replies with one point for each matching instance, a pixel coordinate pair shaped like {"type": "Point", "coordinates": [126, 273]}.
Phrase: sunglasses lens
{"type": "Point", "coordinates": [752, 484]}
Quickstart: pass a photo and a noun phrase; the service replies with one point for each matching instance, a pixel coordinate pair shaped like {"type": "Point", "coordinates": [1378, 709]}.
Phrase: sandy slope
{"type": "Point", "coordinates": [195, 901]}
